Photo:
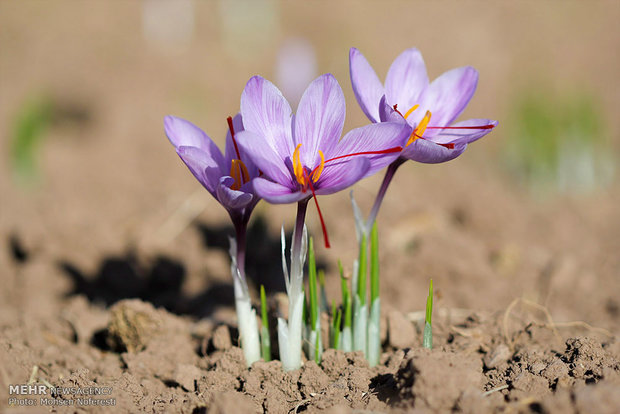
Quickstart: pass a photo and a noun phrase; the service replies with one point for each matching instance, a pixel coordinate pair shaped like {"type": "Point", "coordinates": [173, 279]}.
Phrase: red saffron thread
{"type": "Point", "coordinates": [323, 227]}
{"type": "Point", "coordinates": [232, 135]}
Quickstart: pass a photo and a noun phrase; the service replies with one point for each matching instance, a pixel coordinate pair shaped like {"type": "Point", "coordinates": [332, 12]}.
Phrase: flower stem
{"type": "Point", "coordinates": [246, 315]}
{"type": "Point", "coordinates": [290, 334]}
{"type": "Point", "coordinates": [374, 337]}
{"type": "Point", "coordinates": [387, 179]}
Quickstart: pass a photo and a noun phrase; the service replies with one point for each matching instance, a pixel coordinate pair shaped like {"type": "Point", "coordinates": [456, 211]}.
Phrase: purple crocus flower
{"type": "Point", "coordinates": [428, 108]}
{"type": "Point", "coordinates": [301, 155]}
{"type": "Point", "coordinates": [226, 176]}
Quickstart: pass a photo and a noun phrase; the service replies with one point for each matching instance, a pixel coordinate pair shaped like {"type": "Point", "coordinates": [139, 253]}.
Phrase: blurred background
{"type": "Point", "coordinates": [94, 199]}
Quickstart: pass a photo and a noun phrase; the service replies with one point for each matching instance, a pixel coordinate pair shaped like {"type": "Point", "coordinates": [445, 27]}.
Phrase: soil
{"type": "Point", "coordinates": [114, 271]}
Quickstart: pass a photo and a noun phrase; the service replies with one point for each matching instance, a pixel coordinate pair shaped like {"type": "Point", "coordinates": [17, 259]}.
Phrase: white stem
{"type": "Point", "coordinates": [374, 333]}
{"type": "Point", "coordinates": [346, 339]}
{"type": "Point", "coordinates": [248, 328]}
{"type": "Point", "coordinates": [360, 326]}
{"type": "Point", "coordinates": [246, 315]}
{"type": "Point", "coordinates": [289, 335]}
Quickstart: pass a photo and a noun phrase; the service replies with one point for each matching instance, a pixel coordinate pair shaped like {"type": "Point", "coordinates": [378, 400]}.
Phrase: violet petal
{"type": "Point", "coordinates": [366, 85]}
{"type": "Point", "coordinates": [340, 175]}
{"type": "Point", "coordinates": [319, 119]}
{"type": "Point", "coordinates": [406, 80]}
{"type": "Point", "coordinates": [422, 150]}
{"type": "Point", "coordinates": [387, 113]}
{"type": "Point", "coordinates": [446, 97]}
{"type": "Point", "coordinates": [373, 137]}
{"type": "Point", "coordinates": [182, 133]}
{"type": "Point", "coordinates": [264, 156]}
{"type": "Point", "coordinates": [232, 199]}
{"type": "Point", "coordinates": [267, 113]}
{"type": "Point", "coordinates": [204, 168]}
{"type": "Point", "coordinates": [276, 193]}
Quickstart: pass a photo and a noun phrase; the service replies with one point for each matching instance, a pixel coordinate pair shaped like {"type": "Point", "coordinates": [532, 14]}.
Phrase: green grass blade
{"type": "Point", "coordinates": [336, 329]}
{"type": "Point", "coordinates": [312, 285]}
{"type": "Point", "coordinates": [374, 264]}
{"type": "Point", "coordinates": [427, 341]}
{"type": "Point", "coordinates": [265, 340]}
{"type": "Point", "coordinates": [361, 271]}
{"type": "Point", "coordinates": [323, 302]}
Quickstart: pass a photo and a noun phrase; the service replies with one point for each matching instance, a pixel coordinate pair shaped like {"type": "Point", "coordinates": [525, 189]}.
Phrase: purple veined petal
{"type": "Point", "coordinates": [268, 114]}
{"type": "Point", "coordinates": [425, 151]}
{"type": "Point", "coordinates": [229, 198]}
{"type": "Point", "coordinates": [387, 113]}
{"type": "Point", "coordinates": [231, 152]}
{"type": "Point", "coordinates": [340, 175]}
{"type": "Point", "coordinates": [366, 85]}
{"type": "Point", "coordinates": [319, 119]}
{"type": "Point", "coordinates": [373, 137]}
{"type": "Point", "coordinates": [463, 136]}
{"type": "Point", "coordinates": [446, 97]}
{"type": "Point", "coordinates": [182, 133]}
{"type": "Point", "coordinates": [264, 157]}
{"type": "Point", "coordinates": [204, 168]}
{"type": "Point", "coordinates": [406, 80]}
{"type": "Point", "coordinates": [275, 193]}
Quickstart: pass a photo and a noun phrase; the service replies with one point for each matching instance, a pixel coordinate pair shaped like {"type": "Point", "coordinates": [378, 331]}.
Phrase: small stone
{"type": "Point", "coordinates": [132, 325]}
{"type": "Point", "coordinates": [498, 356]}
{"type": "Point", "coordinates": [186, 376]}
{"type": "Point", "coordinates": [401, 332]}
{"type": "Point", "coordinates": [221, 338]}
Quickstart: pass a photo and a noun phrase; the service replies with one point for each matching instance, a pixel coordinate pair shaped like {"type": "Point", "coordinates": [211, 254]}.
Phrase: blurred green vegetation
{"type": "Point", "coordinates": [559, 143]}
{"type": "Point", "coordinates": [31, 123]}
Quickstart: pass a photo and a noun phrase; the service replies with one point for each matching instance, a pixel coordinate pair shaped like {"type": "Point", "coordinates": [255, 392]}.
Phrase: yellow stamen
{"type": "Point", "coordinates": [318, 170]}
{"type": "Point", "coordinates": [419, 130]}
{"type": "Point", "coordinates": [239, 173]}
{"type": "Point", "coordinates": [298, 169]}
{"type": "Point", "coordinates": [410, 111]}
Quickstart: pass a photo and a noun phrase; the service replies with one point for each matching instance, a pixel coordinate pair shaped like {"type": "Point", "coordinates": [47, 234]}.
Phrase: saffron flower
{"type": "Point", "coordinates": [428, 108]}
{"type": "Point", "coordinates": [228, 177]}
{"type": "Point", "coordinates": [302, 155]}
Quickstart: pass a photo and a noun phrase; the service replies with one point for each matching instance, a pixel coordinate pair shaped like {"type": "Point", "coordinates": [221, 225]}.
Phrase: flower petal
{"type": "Point", "coordinates": [182, 133]}
{"type": "Point", "coordinates": [373, 137]}
{"type": "Point", "coordinates": [319, 119]}
{"type": "Point", "coordinates": [464, 136]}
{"type": "Point", "coordinates": [406, 80]}
{"type": "Point", "coordinates": [366, 85]}
{"type": "Point", "coordinates": [229, 198]}
{"type": "Point", "coordinates": [387, 113]}
{"type": "Point", "coordinates": [446, 97]}
{"type": "Point", "coordinates": [341, 175]}
{"type": "Point", "coordinates": [275, 193]}
{"type": "Point", "coordinates": [204, 168]}
{"type": "Point", "coordinates": [264, 157]}
{"type": "Point", "coordinates": [422, 150]}
{"type": "Point", "coordinates": [267, 113]}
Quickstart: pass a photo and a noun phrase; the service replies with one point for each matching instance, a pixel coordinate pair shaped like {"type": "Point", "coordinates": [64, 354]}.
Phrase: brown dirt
{"type": "Point", "coordinates": [157, 362]}
{"type": "Point", "coordinates": [114, 268]}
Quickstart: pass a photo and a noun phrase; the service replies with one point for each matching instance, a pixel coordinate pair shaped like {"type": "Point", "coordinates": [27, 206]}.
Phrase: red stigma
{"type": "Point", "coordinates": [232, 135]}
{"type": "Point", "coordinates": [385, 151]}
{"type": "Point", "coordinates": [325, 236]}
{"type": "Point", "coordinates": [490, 126]}
{"type": "Point", "coordinates": [396, 109]}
